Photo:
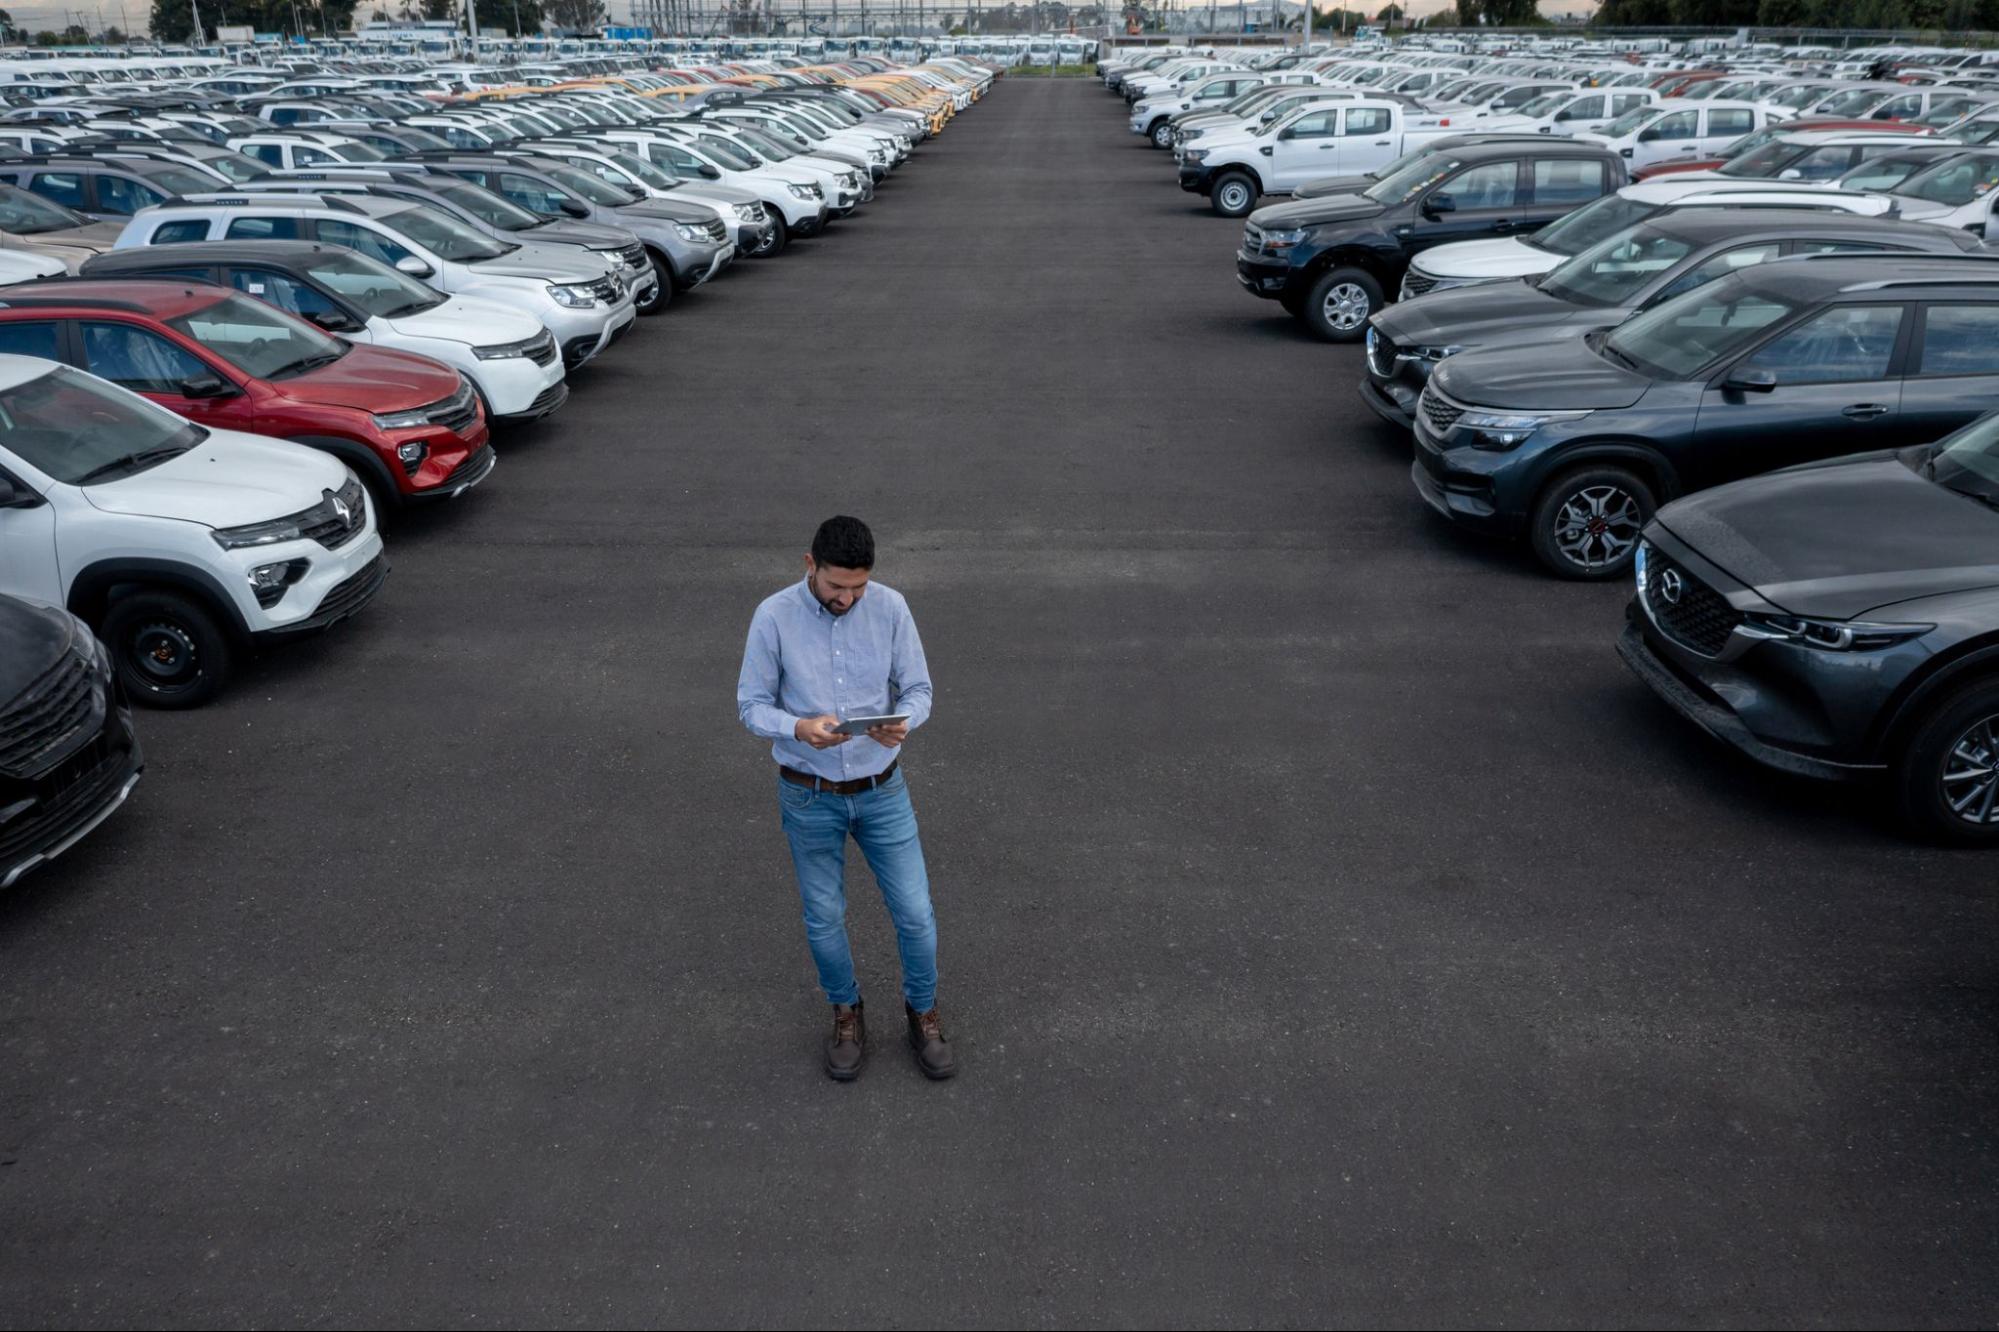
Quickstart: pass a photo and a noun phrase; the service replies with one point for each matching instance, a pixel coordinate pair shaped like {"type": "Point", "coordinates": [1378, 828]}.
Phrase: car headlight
{"type": "Point", "coordinates": [1499, 431]}
{"type": "Point", "coordinates": [1831, 635]}
{"type": "Point", "coordinates": [1283, 240]}
{"type": "Point", "coordinates": [275, 532]}
{"type": "Point", "coordinates": [746, 212]}
{"type": "Point", "coordinates": [1196, 155]}
{"type": "Point", "coordinates": [500, 351]}
{"type": "Point", "coordinates": [805, 191]}
{"type": "Point", "coordinates": [575, 297]}
{"type": "Point", "coordinates": [1432, 353]}
{"type": "Point", "coordinates": [1194, 133]}
{"type": "Point", "coordinates": [409, 420]}
{"type": "Point", "coordinates": [687, 231]}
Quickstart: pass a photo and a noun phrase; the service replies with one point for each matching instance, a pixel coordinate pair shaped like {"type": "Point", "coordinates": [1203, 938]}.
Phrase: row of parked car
{"type": "Point", "coordinates": [1761, 389]}
{"type": "Point", "coordinates": [214, 391]}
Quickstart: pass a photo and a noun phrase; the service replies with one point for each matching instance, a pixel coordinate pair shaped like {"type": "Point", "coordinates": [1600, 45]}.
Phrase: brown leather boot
{"type": "Point", "coordinates": [847, 1047]}
{"type": "Point", "coordinates": [926, 1037]}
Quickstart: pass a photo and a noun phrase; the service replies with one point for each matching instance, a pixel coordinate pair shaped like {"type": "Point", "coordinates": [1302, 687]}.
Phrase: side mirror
{"type": "Point", "coordinates": [574, 209]}
{"type": "Point", "coordinates": [1751, 381]}
{"type": "Point", "coordinates": [1790, 173]}
{"type": "Point", "coordinates": [14, 495]}
{"type": "Point", "coordinates": [709, 173]}
{"type": "Point", "coordinates": [413, 266]}
{"type": "Point", "coordinates": [1648, 136]}
{"type": "Point", "coordinates": [1440, 203]}
{"type": "Point", "coordinates": [1289, 133]}
{"type": "Point", "coordinates": [334, 321]}
{"type": "Point", "coordinates": [204, 386]}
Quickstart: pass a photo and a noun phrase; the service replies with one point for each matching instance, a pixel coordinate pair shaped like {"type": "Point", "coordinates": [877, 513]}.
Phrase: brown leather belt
{"type": "Point", "coordinates": [830, 787]}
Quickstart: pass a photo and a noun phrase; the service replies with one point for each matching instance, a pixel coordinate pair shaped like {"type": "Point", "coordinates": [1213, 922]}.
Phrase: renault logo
{"type": "Point", "coordinates": [341, 512]}
{"type": "Point", "coordinates": [1671, 586]}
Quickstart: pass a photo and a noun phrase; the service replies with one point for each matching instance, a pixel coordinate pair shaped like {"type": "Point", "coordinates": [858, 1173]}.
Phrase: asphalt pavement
{"type": "Point", "coordinates": [1333, 932]}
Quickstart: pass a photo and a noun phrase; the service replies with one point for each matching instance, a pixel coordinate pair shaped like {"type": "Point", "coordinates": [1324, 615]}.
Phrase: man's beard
{"type": "Point", "coordinates": [828, 606]}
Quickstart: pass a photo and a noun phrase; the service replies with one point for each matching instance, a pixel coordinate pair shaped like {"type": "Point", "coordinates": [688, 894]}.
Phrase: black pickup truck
{"type": "Point", "coordinates": [1331, 260]}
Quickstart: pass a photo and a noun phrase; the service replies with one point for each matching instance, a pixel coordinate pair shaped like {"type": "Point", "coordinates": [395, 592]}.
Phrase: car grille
{"type": "Point", "coordinates": [542, 350]}
{"type": "Point", "coordinates": [605, 289]}
{"type": "Point", "coordinates": [717, 231]}
{"type": "Point", "coordinates": [1252, 239]}
{"type": "Point", "coordinates": [351, 593]}
{"type": "Point", "coordinates": [65, 798]}
{"type": "Point", "coordinates": [1415, 284]}
{"type": "Point", "coordinates": [1380, 355]}
{"type": "Point", "coordinates": [457, 412]}
{"type": "Point", "coordinates": [472, 470]}
{"type": "Point", "coordinates": [631, 256]}
{"type": "Point", "coordinates": [42, 726]}
{"type": "Point", "coordinates": [1438, 411]}
{"type": "Point", "coordinates": [1699, 618]}
{"type": "Point", "coordinates": [325, 523]}
{"type": "Point", "coordinates": [550, 398]}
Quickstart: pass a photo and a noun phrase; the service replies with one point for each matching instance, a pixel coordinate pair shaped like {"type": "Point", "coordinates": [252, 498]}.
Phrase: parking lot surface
{"type": "Point", "coordinates": [1333, 932]}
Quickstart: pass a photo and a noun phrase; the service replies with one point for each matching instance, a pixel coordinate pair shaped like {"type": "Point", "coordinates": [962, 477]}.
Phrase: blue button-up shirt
{"type": "Point", "coordinates": [804, 661]}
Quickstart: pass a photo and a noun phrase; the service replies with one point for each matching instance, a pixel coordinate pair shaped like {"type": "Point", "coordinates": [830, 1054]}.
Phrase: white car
{"type": "Point", "coordinates": [1470, 263]}
{"type": "Point", "coordinates": [572, 293]}
{"type": "Point", "coordinates": [1959, 192]}
{"type": "Point", "coordinates": [1571, 112]}
{"type": "Point", "coordinates": [179, 545]}
{"type": "Point", "coordinates": [1678, 127]}
{"type": "Point", "coordinates": [1153, 116]}
{"type": "Point", "coordinates": [27, 266]}
{"type": "Point", "coordinates": [795, 203]}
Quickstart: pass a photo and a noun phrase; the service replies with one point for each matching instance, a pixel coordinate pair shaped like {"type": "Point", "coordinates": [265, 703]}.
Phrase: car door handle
{"type": "Point", "coordinates": [1327, 147]}
{"type": "Point", "coordinates": [1502, 224]}
{"type": "Point", "coordinates": [1864, 411]}
{"type": "Point", "coordinates": [1383, 143]}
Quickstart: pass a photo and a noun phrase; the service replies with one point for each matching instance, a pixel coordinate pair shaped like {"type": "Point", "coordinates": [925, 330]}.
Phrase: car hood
{"type": "Point", "coordinates": [1561, 374]}
{"type": "Point", "coordinates": [1330, 185]}
{"type": "Point", "coordinates": [469, 320]}
{"type": "Point", "coordinates": [1488, 315]}
{"type": "Point", "coordinates": [375, 379]}
{"type": "Point", "coordinates": [569, 231]}
{"type": "Point", "coordinates": [667, 210]}
{"type": "Point", "coordinates": [1840, 538]}
{"type": "Point", "coordinates": [1918, 210]}
{"type": "Point", "coordinates": [1313, 212]}
{"type": "Point", "coordinates": [557, 263]}
{"type": "Point", "coordinates": [33, 635]}
{"type": "Point", "coordinates": [1505, 256]}
{"type": "Point", "coordinates": [72, 246]}
{"type": "Point", "coordinates": [710, 191]}
{"type": "Point", "coordinates": [227, 480]}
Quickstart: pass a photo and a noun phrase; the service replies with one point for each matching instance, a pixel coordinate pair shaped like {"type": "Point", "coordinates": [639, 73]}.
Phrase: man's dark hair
{"type": "Point", "coordinates": [844, 543]}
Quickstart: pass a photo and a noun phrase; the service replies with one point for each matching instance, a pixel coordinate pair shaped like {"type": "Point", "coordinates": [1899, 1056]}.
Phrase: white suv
{"type": "Point", "coordinates": [575, 294]}
{"type": "Point", "coordinates": [178, 544]}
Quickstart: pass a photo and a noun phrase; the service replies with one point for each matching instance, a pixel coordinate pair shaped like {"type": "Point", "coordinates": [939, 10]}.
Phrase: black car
{"type": "Point", "coordinates": [1675, 251]}
{"type": "Point", "coordinates": [1841, 620]}
{"type": "Point", "coordinates": [68, 756]}
{"type": "Point", "coordinates": [1577, 441]}
{"type": "Point", "coordinates": [1330, 260]}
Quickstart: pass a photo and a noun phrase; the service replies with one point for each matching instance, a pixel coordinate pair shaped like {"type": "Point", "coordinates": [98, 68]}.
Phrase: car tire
{"type": "Point", "coordinates": [779, 237]}
{"type": "Point", "coordinates": [1585, 524]}
{"type": "Point", "coordinates": [167, 649]}
{"type": "Point", "coordinates": [1338, 305]}
{"type": "Point", "coordinates": [662, 295]}
{"type": "Point", "coordinates": [1959, 735]}
{"type": "Point", "coordinates": [1161, 133]}
{"type": "Point", "coordinates": [1234, 195]}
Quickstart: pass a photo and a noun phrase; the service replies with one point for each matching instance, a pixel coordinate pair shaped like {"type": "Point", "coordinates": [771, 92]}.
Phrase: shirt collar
{"type": "Point", "coordinates": [805, 590]}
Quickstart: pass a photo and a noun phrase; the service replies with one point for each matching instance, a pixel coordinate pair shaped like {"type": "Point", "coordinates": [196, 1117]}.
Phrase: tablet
{"type": "Point", "coordinates": [860, 725]}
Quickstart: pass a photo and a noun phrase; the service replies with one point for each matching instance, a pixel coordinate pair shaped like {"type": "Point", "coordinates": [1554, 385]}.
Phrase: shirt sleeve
{"type": "Point", "coordinates": [756, 686]}
{"type": "Point", "coordinates": [909, 672]}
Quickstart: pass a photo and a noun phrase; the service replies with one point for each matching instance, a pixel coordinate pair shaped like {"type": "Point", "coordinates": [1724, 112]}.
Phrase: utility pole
{"type": "Point", "coordinates": [472, 23]}
{"type": "Point", "coordinates": [196, 6]}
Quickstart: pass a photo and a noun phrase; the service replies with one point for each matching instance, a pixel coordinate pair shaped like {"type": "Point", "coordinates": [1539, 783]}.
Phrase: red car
{"type": "Point", "coordinates": [410, 428]}
{"type": "Point", "coordinates": [1751, 142]}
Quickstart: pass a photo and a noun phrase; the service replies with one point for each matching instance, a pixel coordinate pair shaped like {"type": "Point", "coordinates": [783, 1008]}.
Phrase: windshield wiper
{"type": "Point", "coordinates": [1611, 353]}
{"type": "Point", "coordinates": [412, 307]}
{"type": "Point", "coordinates": [303, 364]}
{"type": "Point", "coordinates": [133, 461]}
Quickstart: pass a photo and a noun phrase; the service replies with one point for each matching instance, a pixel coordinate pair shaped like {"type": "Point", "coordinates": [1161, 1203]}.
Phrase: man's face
{"type": "Point", "coordinates": [837, 589]}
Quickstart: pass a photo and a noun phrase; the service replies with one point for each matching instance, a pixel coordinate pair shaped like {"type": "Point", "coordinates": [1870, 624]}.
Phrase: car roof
{"type": "Point", "coordinates": [1821, 277]}
{"type": "Point", "coordinates": [1543, 145]}
{"type": "Point", "coordinates": [18, 370]}
{"type": "Point", "coordinates": [281, 253]}
{"type": "Point", "coordinates": [303, 201]}
{"type": "Point", "coordinates": [1704, 226]}
{"type": "Point", "coordinates": [1842, 138]}
{"type": "Point", "coordinates": [156, 298]}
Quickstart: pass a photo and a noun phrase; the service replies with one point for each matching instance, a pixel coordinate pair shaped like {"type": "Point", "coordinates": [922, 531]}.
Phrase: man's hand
{"type": "Point", "coordinates": [818, 731]}
{"type": "Point", "coordinates": [891, 734]}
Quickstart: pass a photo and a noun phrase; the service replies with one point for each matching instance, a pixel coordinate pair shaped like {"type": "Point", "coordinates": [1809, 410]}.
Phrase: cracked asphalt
{"type": "Point", "coordinates": [1333, 932]}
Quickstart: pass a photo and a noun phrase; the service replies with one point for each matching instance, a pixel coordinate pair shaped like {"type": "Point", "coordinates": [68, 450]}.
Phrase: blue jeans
{"type": "Point", "coordinates": [883, 824]}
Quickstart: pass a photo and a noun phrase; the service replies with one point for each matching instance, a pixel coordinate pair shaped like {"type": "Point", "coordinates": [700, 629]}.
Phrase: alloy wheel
{"type": "Point", "coordinates": [1971, 773]}
{"type": "Point", "coordinates": [1597, 526]}
{"type": "Point", "coordinates": [1346, 307]}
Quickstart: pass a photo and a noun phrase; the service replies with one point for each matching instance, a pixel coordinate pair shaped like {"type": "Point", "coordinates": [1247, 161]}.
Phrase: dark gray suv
{"type": "Point", "coordinates": [1841, 620]}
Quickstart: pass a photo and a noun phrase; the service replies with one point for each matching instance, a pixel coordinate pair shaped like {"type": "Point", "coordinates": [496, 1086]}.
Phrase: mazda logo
{"type": "Point", "coordinates": [1671, 586]}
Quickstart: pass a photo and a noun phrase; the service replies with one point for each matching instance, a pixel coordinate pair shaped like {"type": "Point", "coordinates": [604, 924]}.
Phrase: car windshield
{"type": "Point", "coordinates": [259, 340]}
{"type": "Point", "coordinates": [356, 152]}
{"type": "Point", "coordinates": [1884, 173]}
{"type": "Point", "coordinates": [1853, 103]}
{"type": "Point", "coordinates": [1765, 161]}
{"type": "Point", "coordinates": [1545, 106]}
{"type": "Point", "coordinates": [1591, 223]}
{"type": "Point", "coordinates": [768, 146]}
{"type": "Point", "coordinates": [77, 429]}
{"type": "Point", "coordinates": [180, 180]}
{"type": "Point", "coordinates": [1631, 122]}
{"type": "Point", "coordinates": [594, 188]}
{"type": "Point", "coordinates": [374, 286]}
{"type": "Point", "coordinates": [1413, 179]}
{"type": "Point", "coordinates": [1690, 332]}
{"type": "Point", "coordinates": [1953, 183]}
{"type": "Point", "coordinates": [25, 214]}
{"type": "Point", "coordinates": [446, 237]}
{"type": "Point", "coordinates": [728, 154]}
{"type": "Point", "coordinates": [1968, 461]}
{"type": "Point", "coordinates": [483, 204]}
{"type": "Point", "coordinates": [640, 169]}
{"type": "Point", "coordinates": [1943, 110]}
{"type": "Point", "coordinates": [1797, 97]}
{"type": "Point", "coordinates": [235, 166]}
{"type": "Point", "coordinates": [1612, 271]}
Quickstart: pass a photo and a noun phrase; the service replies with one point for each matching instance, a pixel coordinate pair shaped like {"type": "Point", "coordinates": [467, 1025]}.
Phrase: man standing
{"type": "Point", "coordinates": [829, 647]}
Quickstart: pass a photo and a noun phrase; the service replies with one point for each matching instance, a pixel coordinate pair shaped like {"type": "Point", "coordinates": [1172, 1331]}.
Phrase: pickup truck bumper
{"type": "Point", "coordinates": [1261, 277]}
{"type": "Point", "coordinates": [1195, 178]}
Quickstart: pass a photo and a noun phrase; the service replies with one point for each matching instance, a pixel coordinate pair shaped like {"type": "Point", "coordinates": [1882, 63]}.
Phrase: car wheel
{"type": "Point", "coordinates": [662, 292]}
{"type": "Point", "coordinates": [775, 239]}
{"type": "Point", "coordinates": [1339, 303]}
{"type": "Point", "coordinates": [1586, 523]}
{"type": "Point", "coordinates": [1947, 776]}
{"type": "Point", "coordinates": [1162, 134]}
{"type": "Point", "coordinates": [1234, 195]}
{"type": "Point", "coordinates": [168, 650]}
